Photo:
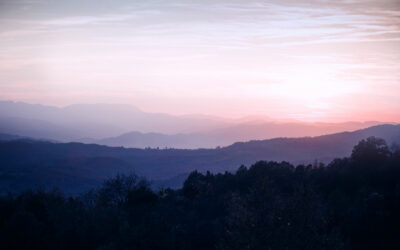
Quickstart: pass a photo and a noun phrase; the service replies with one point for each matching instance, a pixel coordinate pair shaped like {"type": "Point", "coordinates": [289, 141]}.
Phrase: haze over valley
{"type": "Point", "coordinates": [128, 126]}
{"type": "Point", "coordinates": [77, 167]}
{"type": "Point", "coordinates": [200, 124]}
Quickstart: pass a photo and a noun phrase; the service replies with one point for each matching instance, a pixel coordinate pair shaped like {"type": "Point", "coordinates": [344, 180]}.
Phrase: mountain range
{"type": "Point", "coordinates": [227, 136]}
{"type": "Point", "coordinates": [94, 120]}
{"type": "Point", "coordinates": [128, 126]}
{"type": "Point", "coordinates": [77, 167]}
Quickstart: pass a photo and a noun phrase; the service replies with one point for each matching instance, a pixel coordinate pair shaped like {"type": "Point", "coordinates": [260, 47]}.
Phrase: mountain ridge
{"type": "Point", "coordinates": [75, 167]}
{"type": "Point", "coordinates": [226, 136]}
{"type": "Point", "coordinates": [128, 126]}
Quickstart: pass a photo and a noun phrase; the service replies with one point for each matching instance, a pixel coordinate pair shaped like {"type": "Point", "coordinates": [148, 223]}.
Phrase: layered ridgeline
{"type": "Point", "coordinates": [74, 122]}
{"type": "Point", "coordinates": [125, 125]}
{"type": "Point", "coordinates": [77, 167]}
{"type": "Point", "coordinates": [250, 130]}
{"type": "Point", "coordinates": [352, 203]}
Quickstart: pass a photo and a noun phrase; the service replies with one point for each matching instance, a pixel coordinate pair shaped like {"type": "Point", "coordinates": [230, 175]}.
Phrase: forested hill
{"type": "Point", "coordinates": [322, 148]}
{"type": "Point", "coordinates": [353, 203]}
{"type": "Point", "coordinates": [76, 167]}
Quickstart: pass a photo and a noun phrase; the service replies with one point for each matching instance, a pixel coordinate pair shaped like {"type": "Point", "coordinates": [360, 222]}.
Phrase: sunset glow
{"type": "Point", "coordinates": [306, 60]}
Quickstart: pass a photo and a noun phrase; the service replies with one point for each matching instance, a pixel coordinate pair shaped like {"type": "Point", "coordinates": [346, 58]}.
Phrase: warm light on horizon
{"type": "Point", "coordinates": [309, 61]}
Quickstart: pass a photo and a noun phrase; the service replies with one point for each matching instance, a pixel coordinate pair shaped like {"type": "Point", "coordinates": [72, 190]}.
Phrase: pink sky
{"type": "Point", "coordinates": [306, 60]}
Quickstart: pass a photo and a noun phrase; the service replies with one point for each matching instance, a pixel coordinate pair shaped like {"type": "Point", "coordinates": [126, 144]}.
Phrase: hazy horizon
{"type": "Point", "coordinates": [304, 60]}
{"type": "Point", "coordinates": [199, 124]}
{"type": "Point", "coordinates": [238, 118]}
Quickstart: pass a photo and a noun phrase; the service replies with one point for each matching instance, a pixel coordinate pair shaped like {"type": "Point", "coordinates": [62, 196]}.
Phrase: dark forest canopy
{"type": "Point", "coordinates": [352, 203]}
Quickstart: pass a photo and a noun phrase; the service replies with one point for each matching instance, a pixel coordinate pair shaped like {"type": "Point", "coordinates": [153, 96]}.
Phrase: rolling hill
{"type": "Point", "coordinates": [95, 120]}
{"type": "Point", "coordinates": [128, 126]}
{"type": "Point", "coordinates": [251, 130]}
{"type": "Point", "coordinates": [76, 167]}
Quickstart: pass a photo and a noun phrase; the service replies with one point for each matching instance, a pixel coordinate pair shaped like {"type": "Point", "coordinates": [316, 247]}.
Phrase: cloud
{"type": "Point", "coordinates": [201, 47]}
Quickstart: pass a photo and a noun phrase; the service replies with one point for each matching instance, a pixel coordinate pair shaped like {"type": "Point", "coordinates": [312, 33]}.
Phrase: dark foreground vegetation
{"type": "Point", "coordinates": [353, 203]}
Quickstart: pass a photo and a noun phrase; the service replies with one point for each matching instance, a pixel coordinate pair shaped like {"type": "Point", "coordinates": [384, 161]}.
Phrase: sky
{"type": "Point", "coordinates": [314, 60]}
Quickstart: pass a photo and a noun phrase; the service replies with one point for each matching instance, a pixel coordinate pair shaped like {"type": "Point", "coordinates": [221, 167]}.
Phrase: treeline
{"type": "Point", "coordinates": [352, 203]}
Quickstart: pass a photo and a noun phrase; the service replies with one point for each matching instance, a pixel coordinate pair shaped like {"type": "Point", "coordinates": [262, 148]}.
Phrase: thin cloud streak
{"type": "Point", "coordinates": [265, 50]}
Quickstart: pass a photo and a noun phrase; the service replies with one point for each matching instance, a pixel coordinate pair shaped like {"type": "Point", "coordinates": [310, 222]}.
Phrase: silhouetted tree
{"type": "Point", "coordinates": [352, 203]}
{"type": "Point", "coordinates": [370, 151]}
